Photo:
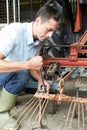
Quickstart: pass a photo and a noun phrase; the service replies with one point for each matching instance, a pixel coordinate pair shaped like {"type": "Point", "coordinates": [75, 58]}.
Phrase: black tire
{"type": "Point", "coordinates": [52, 107]}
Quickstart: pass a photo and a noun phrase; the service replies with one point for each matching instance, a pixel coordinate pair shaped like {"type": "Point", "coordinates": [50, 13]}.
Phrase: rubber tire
{"type": "Point", "coordinates": [51, 107]}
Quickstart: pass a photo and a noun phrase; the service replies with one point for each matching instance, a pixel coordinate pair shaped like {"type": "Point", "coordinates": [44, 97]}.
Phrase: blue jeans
{"type": "Point", "coordinates": [14, 82]}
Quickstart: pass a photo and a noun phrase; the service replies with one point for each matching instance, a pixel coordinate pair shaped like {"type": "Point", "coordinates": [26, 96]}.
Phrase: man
{"type": "Point", "coordinates": [19, 57]}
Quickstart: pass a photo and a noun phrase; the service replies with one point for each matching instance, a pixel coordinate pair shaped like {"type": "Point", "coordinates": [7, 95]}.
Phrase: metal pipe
{"type": "Point", "coordinates": [14, 10]}
{"type": "Point", "coordinates": [7, 5]}
{"type": "Point", "coordinates": [18, 10]}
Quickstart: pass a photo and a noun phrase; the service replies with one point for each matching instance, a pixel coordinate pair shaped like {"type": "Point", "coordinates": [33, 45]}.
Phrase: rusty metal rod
{"type": "Point", "coordinates": [64, 98]}
{"type": "Point", "coordinates": [40, 111]}
{"type": "Point", "coordinates": [83, 120]}
{"type": "Point", "coordinates": [17, 112]}
{"type": "Point", "coordinates": [32, 105]}
{"type": "Point", "coordinates": [44, 110]}
{"type": "Point", "coordinates": [78, 116]}
{"type": "Point", "coordinates": [73, 111]}
{"type": "Point", "coordinates": [26, 128]}
{"type": "Point", "coordinates": [43, 107]}
{"type": "Point", "coordinates": [69, 111]}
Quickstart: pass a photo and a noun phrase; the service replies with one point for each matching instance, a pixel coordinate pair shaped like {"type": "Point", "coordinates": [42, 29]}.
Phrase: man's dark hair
{"type": "Point", "coordinates": [48, 12]}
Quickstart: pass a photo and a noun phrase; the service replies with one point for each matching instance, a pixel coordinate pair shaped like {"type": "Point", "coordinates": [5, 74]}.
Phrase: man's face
{"type": "Point", "coordinates": [45, 30]}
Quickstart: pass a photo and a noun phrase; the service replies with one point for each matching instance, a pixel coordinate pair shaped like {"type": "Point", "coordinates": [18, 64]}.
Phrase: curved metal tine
{"type": "Point", "coordinates": [43, 110]}
{"type": "Point", "coordinates": [23, 106]}
{"type": "Point", "coordinates": [73, 111]}
{"type": "Point", "coordinates": [17, 112]}
{"type": "Point", "coordinates": [43, 107]}
{"type": "Point", "coordinates": [69, 111]}
{"type": "Point", "coordinates": [26, 128]}
{"type": "Point", "coordinates": [40, 111]}
{"type": "Point", "coordinates": [35, 102]}
{"type": "Point", "coordinates": [78, 116]}
{"type": "Point", "coordinates": [36, 118]}
{"type": "Point", "coordinates": [83, 119]}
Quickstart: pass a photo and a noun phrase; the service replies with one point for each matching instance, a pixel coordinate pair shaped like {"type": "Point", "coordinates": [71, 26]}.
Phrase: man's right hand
{"type": "Point", "coordinates": [36, 63]}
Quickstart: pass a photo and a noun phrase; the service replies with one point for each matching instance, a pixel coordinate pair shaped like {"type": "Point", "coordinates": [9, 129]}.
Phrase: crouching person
{"type": "Point", "coordinates": [20, 44]}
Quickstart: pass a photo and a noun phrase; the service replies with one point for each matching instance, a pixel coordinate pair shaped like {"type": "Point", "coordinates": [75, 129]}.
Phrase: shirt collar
{"type": "Point", "coordinates": [30, 35]}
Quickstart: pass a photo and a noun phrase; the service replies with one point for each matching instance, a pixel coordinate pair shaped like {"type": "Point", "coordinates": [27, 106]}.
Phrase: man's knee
{"type": "Point", "coordinates": [17, 82]}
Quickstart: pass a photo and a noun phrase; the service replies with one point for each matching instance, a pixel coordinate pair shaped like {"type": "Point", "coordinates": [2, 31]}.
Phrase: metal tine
{"type": "Point", "coordinates": [83, 119]}
{"type": "Point", "coordinates": [69, 111]}
{"type": "Point", "coordinates": [31, 116]}
{"type": "Point", "coordinates": [78, 116]}
{"type": "Point", "coordinates": [23, 106]}
{"type": "Point", "coordinates": [43, 107]}
{"type": "Point", "coordinates": [73, 111]}
{"type": "Point", "coordinates": [18, 111]}
{"type": "Point", "coordinates": [35, 111]}
{"type": "Point", "coordinates": [34, 103]}
{"type": "Point", "coordinates": [80, 105]}
{"type": "Point", "coordinates": [37, 117]}
{"type": "Point", "coordinates": [43, 110]}
{"type": "Point", "coordinates": [40, 111]}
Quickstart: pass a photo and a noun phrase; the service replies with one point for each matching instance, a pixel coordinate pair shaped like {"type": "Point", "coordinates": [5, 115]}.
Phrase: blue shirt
{"type": "Point", "coordinates": [17, 43]}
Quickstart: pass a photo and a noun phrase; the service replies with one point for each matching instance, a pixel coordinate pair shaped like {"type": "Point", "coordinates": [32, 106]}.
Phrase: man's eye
{"type": "Point", "coordinates": [49, 29]}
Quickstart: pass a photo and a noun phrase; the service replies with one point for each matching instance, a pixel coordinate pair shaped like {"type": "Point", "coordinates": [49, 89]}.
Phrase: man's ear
{"type": "Point", "coordinates": [38, 20]}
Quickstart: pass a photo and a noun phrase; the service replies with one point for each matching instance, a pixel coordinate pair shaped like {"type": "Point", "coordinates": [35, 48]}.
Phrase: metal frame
{"type": "Point", "coordinates": [15, 12]}
{"type": "Point", "coordinates": [73, 60]}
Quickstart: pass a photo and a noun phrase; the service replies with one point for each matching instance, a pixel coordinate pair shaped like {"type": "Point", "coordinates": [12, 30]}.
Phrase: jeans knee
{"type": "Point", "coordinates": [17, 82]}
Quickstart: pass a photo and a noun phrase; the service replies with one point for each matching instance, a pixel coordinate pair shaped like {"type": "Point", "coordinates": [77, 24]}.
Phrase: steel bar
{"type": "Point", "coordinates": [64, 98]}
{"type": "Point", "coordinates": [69, 74]}
{"type": "Point", "coordinates": [78, 116]}
{"type": "Point", "coordinates": [7, 10]}
{"type": "Point", "coordinates": [69, 111]}
{"type": "Point", "coordinates": [82, 40]}
{"type": "Point", "coordinates": [66, 62]}
{"type": "Point", "coordinates": [83, 120]}
{"type": "Point", "coordinates": [73, 111]}
{"type": "Point", "coordinates": [18, 10]}
{"type": "Point", "coordinates": [65, 46]}
{"type": "Point", "coordinates": [14, 10]}
{"type": "Point", "coordinates": [40, 110]}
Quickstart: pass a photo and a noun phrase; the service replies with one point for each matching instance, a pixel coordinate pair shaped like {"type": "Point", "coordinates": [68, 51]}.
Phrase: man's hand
{"type": "Point", "coordinates": [36, 63]}
{"type": "Point", "coordinates": [46, 84]}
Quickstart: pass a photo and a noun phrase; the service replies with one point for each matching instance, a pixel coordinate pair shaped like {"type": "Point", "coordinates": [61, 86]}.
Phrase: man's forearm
{"type": "Point", "coordinates": [35, 74]}
{"type": "Point", "coordinates": [6, 66]}
{"type": "Point", "coordinates": [33, 64]}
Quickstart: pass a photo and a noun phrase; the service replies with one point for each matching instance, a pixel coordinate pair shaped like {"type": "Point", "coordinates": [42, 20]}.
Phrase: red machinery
{"type": "Point", "coordinates": [73, 60]}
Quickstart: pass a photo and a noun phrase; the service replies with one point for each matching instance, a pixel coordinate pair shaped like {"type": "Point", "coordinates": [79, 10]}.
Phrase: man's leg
{"type": "Point", "coordinates": [13, 83]}
{"type": "Point", "coordinates": [16, 82]}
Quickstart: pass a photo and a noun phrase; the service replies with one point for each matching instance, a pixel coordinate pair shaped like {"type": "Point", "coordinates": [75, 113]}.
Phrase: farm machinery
{"type": "Point", "coordinates": [57, 71]}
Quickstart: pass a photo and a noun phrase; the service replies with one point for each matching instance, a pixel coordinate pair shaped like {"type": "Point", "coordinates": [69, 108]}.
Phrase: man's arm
{"type": "Point", "coordinates": [37, 76]}
{"type": "Point", "coordinates": [8, 66]}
